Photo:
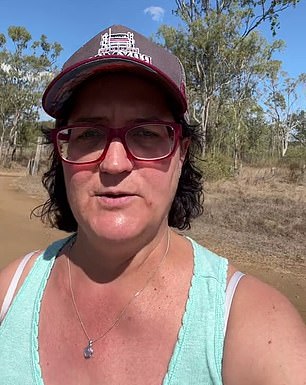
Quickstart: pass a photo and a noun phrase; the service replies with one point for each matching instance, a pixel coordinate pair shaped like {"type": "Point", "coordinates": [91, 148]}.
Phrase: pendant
{"type": "Point", "coordinates": [88, 351]}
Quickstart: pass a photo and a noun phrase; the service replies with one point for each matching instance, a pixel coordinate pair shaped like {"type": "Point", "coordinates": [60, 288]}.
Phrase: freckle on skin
{"type": "Point", "coordinates": [270, 342]}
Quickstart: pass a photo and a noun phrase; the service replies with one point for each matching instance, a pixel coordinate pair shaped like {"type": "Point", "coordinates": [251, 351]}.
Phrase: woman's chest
{"type": "Point", "coordinates": [116, 360]}
{"type": "Point", "coordinates": [130, 349]}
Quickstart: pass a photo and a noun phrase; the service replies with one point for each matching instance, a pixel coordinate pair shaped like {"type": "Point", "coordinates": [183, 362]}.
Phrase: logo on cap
{"type": "Point", "coordinates": [122, 44]}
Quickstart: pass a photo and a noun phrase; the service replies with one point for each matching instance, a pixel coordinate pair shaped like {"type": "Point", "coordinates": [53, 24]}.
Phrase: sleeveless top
{"type": "Point", "coordinates": [197, 356]}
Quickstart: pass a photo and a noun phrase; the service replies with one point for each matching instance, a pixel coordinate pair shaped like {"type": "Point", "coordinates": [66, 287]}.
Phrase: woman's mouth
{"type": "Point", "coordinates": [116, 199]}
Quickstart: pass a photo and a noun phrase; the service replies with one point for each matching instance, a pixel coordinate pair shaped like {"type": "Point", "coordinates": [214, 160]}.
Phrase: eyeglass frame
{"type": "Point", "coordinates": [117, 133]}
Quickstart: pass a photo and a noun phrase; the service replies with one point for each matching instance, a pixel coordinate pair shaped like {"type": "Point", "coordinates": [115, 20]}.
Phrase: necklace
{"type": "Point", "coordinates": [88, 351]}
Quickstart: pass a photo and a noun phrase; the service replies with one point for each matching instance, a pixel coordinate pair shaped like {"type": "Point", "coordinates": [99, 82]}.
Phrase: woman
{"type": "Point", "coordinates": [126, 299]}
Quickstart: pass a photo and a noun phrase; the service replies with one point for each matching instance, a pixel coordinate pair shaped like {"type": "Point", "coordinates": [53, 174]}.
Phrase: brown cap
{"type": "Point", "coordinates": [117, 47]}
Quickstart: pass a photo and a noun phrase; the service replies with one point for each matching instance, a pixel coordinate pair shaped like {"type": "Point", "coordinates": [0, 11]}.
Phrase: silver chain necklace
{"type": "Point", "coordinates": [88, 351]}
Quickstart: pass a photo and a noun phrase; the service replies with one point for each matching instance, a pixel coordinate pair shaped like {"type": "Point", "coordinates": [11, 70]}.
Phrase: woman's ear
{"type": "Point", "coordinates": [184, 145]}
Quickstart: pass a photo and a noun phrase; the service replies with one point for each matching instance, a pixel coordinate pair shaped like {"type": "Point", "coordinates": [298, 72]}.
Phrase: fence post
{"type": "Point", "coordinates": [35, 164]}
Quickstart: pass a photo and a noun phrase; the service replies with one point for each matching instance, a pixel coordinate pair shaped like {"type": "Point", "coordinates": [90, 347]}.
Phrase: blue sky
{"type": "Point", "coordinates": [73, 22]}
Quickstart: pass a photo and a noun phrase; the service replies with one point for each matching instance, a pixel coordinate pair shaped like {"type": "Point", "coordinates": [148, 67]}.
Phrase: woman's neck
{"type": "Point", "coordinates": [105, 261]}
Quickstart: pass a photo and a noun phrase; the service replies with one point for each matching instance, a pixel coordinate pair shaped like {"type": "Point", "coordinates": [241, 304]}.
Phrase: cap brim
{"type": "Point", "coordinates": [62, 87]}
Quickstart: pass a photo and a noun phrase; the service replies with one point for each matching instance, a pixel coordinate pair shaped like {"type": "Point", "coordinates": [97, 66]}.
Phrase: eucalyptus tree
{"type": "Point", "coordinates": [298, 134]}
{"type": "Point", "coordinates": [281, 108]}
{"type": "Point", "coordinates": [225, 58]}
{"type": "Point", "coordinates": [238, 99]}
{"type": "Point", "coordinates": [254, 12]}
{"type": "Point", "coordinates": [25, 68]}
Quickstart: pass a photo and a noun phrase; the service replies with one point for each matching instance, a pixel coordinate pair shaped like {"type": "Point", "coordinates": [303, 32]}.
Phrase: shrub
{"type": "Point", "coordinates": [216, 167]}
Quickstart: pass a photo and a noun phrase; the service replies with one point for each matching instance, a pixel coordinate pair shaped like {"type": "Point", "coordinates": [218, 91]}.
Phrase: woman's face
{"type": "Point", "coordinates": [119, 198]}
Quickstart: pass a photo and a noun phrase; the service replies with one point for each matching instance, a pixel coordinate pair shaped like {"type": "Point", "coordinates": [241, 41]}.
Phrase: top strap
{"type": "Point", "coordinates": [13, 285]}
{"type": "Point", "coordinates": [229, 295]}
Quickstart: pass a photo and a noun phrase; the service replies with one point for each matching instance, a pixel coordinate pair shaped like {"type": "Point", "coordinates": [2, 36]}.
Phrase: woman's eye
{"type": "Point", "coordinates": [85, 134]}
{"type": "Point", "coordinates": [146, 132]}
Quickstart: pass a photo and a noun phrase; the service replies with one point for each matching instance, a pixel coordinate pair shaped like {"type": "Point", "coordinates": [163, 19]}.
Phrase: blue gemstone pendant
{"type": "Point", "coordinates": [88, 351]}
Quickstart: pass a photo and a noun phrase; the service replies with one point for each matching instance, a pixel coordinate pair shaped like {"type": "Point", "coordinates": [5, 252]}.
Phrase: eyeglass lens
{"type": "Point", "coordinates": [86, 144]}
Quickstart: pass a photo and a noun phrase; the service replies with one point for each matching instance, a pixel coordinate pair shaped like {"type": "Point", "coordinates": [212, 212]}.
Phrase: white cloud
{"type": "Point", "coordinates": [157, 13]}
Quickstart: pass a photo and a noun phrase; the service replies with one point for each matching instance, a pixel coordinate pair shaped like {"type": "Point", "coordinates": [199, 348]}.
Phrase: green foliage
{"type": "Point", "coordinates": [24, 72]}
{"type": "Point", "coordinates": [253, 12]}
{"type": "Point", "coordinates": [295, 154]}
{"type": "Point", "coordinates": [2, 40]}
{"type": "Point", "coordinates": [227, 62]}
{"type": "Point", "coordinates": [216, 167]}
{"type": "Point", "coordinates": [299, 132]}
{"type": "Point", "coordinates": [29, 131]}
{"type": "Point", "coordinates": [295, 163]}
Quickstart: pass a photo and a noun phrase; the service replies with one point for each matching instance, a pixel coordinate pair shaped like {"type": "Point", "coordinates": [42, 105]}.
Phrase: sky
{"type": "Point", "coordinates": [73, 22]}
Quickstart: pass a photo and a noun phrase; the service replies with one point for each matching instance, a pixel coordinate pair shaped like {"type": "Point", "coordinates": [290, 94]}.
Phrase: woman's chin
{"type": "Point", "coordinates": [117, 228]}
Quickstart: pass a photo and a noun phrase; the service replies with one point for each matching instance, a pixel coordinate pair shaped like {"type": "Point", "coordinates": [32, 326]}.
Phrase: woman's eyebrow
{"type": "Point", "coordinates": [146, 119]}
{"type": "Point", "coordinates": [89, 120]}
{"type": "Point", "coordinates": [106, 121]}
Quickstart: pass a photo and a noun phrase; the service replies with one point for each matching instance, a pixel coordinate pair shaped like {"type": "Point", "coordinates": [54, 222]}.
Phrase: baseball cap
{"type": "Point", "coordinates": [117, 48]}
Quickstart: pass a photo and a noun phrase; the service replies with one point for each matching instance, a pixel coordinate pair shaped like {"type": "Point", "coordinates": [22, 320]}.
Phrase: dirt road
{"type": "Point", "coordinates": [18, 233]}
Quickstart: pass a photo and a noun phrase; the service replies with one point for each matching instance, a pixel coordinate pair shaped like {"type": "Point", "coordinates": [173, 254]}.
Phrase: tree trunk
{"type": "Point", "coordinates": [204, 125]}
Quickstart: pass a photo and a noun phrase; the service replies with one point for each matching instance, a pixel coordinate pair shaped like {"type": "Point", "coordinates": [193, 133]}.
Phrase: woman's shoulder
{"type": "Point", "coordinates": [8, 272]}
{"type": "Point", "coordinates": [266, 337]}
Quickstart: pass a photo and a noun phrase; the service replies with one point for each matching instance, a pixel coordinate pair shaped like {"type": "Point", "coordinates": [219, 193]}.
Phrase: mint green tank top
{"type": "Point", "coordinates": [197, 356]}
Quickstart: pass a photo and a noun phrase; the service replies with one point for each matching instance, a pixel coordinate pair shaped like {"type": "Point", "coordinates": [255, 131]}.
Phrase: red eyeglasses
{"type": "Point", "coordinates": [86, 143]}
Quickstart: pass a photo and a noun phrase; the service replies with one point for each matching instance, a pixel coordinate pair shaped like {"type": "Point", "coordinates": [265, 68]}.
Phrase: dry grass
{"type": "Point", "coordinates": [258, 215]}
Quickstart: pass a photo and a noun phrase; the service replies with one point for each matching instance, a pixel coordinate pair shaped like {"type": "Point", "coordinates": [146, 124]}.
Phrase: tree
{"type": "Point", "coordinates": [254, 12]}
{"type": "Point", "coordinates": [24, 73]}
{"type": "Point", "coordinates": [298, 134]}
{"type": "Point", "coordinates": [225, 59]}
{"type": "Point", "coordinates": [281, 98]}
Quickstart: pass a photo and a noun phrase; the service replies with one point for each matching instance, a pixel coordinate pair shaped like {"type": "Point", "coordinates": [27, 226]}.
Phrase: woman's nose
{"type": "Point", "coordinates": [116, 159]}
